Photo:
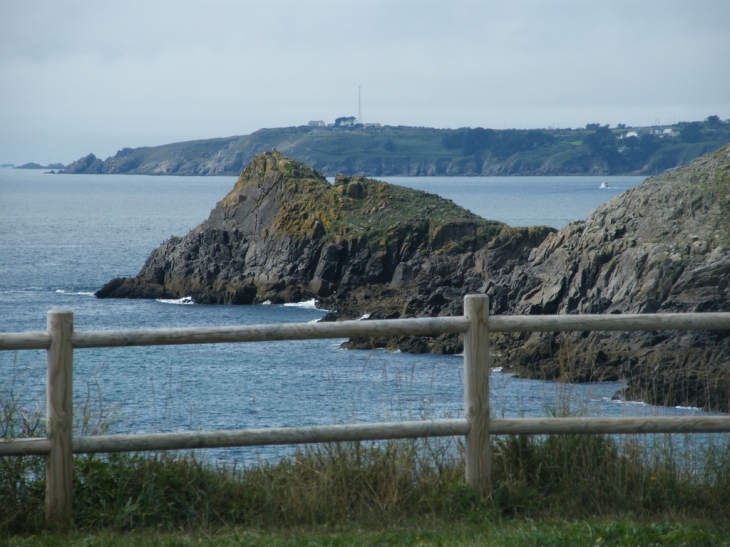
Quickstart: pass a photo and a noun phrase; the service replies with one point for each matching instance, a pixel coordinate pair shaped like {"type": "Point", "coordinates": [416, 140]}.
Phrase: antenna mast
{"type": "Point", "coordinates": [359, 105]}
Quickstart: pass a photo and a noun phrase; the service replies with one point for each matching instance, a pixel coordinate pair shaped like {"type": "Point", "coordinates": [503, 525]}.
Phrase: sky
{"type": "Point", "coordinates": [88, 76]}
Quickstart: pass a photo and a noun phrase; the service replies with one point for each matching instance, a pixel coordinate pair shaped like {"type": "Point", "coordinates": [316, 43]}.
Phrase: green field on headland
{"type": "Point", "coordinates": [376, 150]}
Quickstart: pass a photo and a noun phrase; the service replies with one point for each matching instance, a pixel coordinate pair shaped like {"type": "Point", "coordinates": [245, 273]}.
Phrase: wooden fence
{"type": "Point", "coordinates": [61, 340]}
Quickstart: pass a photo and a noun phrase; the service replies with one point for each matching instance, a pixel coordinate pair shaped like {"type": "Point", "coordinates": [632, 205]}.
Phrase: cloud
{"type": "Point", "coordinates": [83, 75]}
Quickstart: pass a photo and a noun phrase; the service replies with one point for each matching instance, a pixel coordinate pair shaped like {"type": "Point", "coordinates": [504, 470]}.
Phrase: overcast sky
{"type": "Point", "coordinates": [90, 76]}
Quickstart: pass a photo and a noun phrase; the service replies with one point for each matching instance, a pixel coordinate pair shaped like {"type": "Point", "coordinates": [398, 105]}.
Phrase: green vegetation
{"type": "Point", "coordinates": [600, 532]}
{"type": "Point", "coordinates": [499, 143]}
{"type": "Point", "coordinates": [419, 151]}
{"type": "Point", "coordinates": [370, 212]}
{"type": "Point", "coordinates": [649, 150]}
{"type": "Point", "coordinates": [552, 490]}
{"type": "Point", "coordinates": [382, 485]}
{"type": "Point", "coordinates": [379, 213]}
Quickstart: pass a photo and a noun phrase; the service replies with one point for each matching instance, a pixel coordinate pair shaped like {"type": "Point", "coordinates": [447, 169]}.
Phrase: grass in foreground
{"type": "Point", "coordinates": [545, 490]}
{"type": "Point", "coordinates": [428, 533]}
{"type": "Point", "coordinates": [382, 485]}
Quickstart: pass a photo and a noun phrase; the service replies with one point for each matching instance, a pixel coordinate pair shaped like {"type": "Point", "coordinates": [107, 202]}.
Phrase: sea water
{"type": "Point", "coordinates": [63, 236]}
{"type": "Point", "coordinates": [525, 201]}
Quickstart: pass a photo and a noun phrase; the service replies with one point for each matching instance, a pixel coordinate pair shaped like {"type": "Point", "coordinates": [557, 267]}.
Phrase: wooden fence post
{"type": "Point", "coordinates": [59, 419]}
{"type": "Point", "coordinates": [476, 394]}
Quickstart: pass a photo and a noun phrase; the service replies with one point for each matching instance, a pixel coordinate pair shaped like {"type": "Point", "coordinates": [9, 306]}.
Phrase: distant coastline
{"type": "Point", "coordinates": [33, 165]}
{"type": "Point", "coordinates": [378, 151]}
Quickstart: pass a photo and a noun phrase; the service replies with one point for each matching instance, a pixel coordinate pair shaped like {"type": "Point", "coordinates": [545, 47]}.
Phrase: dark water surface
{"type": "Point", "coordinates": [62, 237]}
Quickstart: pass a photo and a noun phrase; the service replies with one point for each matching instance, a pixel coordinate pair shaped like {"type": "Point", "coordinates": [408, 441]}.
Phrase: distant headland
{"type": "Point", "coordinates": [33, 165]}
{"type": "Point", "coordinates": [380, 150]}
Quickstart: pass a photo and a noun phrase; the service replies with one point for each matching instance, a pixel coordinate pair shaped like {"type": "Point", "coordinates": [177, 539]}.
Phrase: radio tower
{"type": "Point", "coordinates": [359, 105]}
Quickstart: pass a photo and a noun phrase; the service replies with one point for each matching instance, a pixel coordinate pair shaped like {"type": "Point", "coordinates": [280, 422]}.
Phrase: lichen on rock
{"type": "Point", "coordinates": [283, 233]}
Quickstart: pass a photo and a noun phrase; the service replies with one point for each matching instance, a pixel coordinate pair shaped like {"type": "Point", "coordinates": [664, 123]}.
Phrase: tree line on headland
{"type": "Point", "coordinates": [374, 150]}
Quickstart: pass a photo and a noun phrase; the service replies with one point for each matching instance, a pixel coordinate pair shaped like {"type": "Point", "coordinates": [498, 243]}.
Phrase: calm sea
{"type": "Point", "coordinates": [63, 237]}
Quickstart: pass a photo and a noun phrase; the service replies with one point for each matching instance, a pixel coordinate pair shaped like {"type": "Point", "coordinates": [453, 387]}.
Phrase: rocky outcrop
{"type": "Point", "coordinates": [661, 247]}
{"type": "Point", "coordinates": [87, 165]}
{"type": "Point", "coordinates": [365, 247]}
{"type": "Point", "coordinates": [285, 234]}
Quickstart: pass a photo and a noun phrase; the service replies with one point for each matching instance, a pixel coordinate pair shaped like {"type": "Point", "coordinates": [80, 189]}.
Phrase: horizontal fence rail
{"type": "Point", "coordinates": [270, 333]}
{"type": "Point", "coordinates": [618, 322]}
{"type": "Point", "coordinates": [191, 440]}
{"type": "Point", "coordinates": [364, 329]}
{"type": "Point", "coordinates": [25, 340]}
{"type": "Point", "coordinates": [60, 341]}
{"type": "Point", "coordinates": [245, 437]}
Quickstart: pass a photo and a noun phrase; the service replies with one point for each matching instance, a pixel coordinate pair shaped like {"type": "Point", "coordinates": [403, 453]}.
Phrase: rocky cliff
{"type": "Point", "coordinates": [663, 246]}
{"type": "Point", "coordinates": [285, 234]}
{"type": "Point", "coordinates": [362, 246]}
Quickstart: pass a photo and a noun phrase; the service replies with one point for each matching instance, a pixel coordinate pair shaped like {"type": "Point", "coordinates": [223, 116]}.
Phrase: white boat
{"type": "Point", "coordinates": [605, 185]}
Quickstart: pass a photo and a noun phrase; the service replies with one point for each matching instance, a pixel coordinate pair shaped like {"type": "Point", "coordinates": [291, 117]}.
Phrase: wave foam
{"type": "Point", "coordinates": [81, 293]}
{"type": "Point", "coordinates": [307, 304]}
{"type": "Point", "coordinates": [183, 300]}
{"type": "Point", "coordinates": [623, 401]}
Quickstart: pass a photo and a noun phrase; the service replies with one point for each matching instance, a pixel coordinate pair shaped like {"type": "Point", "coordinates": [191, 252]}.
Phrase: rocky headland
{"type": "Point", "coordinates": [661, 247]}
{"type": "Point", "coordinates": [362, 246]}
{"type": "Point", "coordinates": [379, 151]}
{"type": "Point", "coordinates": [284, 234]}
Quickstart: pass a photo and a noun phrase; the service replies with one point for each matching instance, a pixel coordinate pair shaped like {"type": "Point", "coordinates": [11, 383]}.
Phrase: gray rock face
{"type": "Point", "coordinates": [232, 258]}
{"type": "Point", "coordinates": [87, 165]}
{"type": "Point", "coordinates": [284, 234]}
{"type": "Point", "coordinates": [661, 247]}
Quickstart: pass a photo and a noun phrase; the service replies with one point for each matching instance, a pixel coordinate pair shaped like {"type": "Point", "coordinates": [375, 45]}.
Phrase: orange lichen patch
{"type": "Point", "coordinates": [379, 213]}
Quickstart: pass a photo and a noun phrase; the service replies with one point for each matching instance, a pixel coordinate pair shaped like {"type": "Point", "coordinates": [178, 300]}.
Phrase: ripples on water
{"type": "Point", "coordinates": [63, 237]}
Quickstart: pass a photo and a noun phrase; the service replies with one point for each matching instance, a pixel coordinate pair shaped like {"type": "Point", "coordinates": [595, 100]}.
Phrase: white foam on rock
{"type": "Point", "coordinates": [183, 300]}
{"type": "Point", "coordinates": [307, 304]}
